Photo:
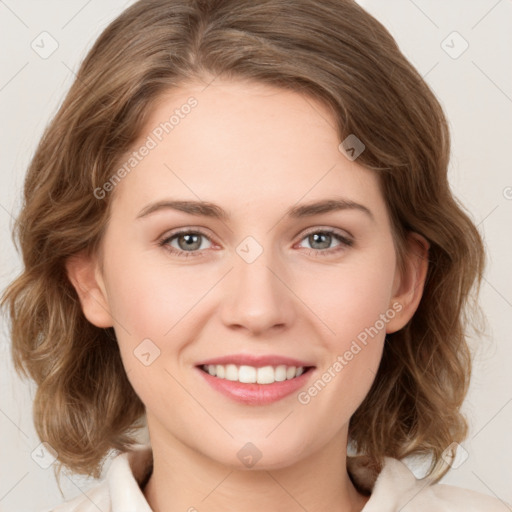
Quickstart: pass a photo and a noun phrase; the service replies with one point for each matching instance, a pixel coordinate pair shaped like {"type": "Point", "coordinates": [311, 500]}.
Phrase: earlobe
{"type": "Point", "coordinates": [82, 271]}
{"type": "Point", "coordinates": [410, 283]}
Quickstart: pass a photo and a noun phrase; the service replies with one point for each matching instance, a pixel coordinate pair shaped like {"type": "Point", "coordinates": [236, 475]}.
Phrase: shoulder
{"type": "Point", "coordinates": [97, 498]}
{"type": "Point", "coordinates": [459, 499]}
{"type": "Point", "coordinates": [120, 490]}
{"type": "Point", "coordinates": [397, 489]}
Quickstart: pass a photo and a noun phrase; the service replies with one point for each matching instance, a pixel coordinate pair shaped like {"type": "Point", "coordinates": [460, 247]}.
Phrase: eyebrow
{"type": "Point", "coordinates": [207, 209]}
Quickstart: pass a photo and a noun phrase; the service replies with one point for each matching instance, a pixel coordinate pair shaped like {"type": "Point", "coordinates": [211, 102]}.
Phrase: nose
{"type": "Point", "coordinates": [256, 297]}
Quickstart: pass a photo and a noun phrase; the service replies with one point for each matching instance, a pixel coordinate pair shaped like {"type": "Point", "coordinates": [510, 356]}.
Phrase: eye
{"type": "Point", "coordinates": [185, 243]}
{"type": "Point", "coordinates": [321, 241]}
{"type": "Point", "coordinates": [189, 242]}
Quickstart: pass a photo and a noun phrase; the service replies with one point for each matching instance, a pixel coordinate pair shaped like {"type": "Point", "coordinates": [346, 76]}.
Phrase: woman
{"type": "Point", "coordinates": [239, 228]}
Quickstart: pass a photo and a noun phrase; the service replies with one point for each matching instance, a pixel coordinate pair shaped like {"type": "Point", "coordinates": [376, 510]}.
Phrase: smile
{"type": "Point", "coordinates": [253, 375]}
{"type": "Point", "coordinates": [251, 385]}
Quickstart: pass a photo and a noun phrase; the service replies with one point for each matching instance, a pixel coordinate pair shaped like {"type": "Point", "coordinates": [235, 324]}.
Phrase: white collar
{"type": "Point", "coordinates": [393, 488]}
{"type": "Point", "coordinates": [129, 470]}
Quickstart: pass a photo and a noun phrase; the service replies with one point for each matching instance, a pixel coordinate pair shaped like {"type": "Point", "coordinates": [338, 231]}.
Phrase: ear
{"type": "Point", "coordinates": [408, 285]}
{"type": "Point", "coordinates": [85, 276]}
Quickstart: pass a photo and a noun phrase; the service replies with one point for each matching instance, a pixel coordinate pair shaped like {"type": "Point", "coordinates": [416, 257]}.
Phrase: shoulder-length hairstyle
{"type": "Point", "coordinates": [329, 50]}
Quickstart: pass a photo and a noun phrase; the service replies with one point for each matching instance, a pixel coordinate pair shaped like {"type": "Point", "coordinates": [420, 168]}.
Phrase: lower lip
{"type": "Point", "coordinates": [256, 394]}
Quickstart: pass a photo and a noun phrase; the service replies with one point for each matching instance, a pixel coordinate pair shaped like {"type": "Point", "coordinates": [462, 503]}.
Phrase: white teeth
{"type": "Point", "coordinates": [247, 374]}
{"type": "Point", "coordinates": [251, 374]}
{"type": "Point", "coordinates": [265, 375]}
{"type": "Point", "coordinates": [280, 374]}
{"type": "Point", "coordinates": [231, 372]}
{"type": "Point", "coordinates": [290, 372]}
{"type": "Point", "coordinates": [220, 371]}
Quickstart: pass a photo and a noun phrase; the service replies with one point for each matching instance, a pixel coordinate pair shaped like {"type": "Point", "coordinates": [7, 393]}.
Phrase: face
{"type": "Point", "coordinates": [272, 285]}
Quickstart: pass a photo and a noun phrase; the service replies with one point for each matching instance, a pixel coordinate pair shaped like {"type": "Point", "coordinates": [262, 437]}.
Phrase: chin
{"type": "Point", "coordinates": [264, 454]}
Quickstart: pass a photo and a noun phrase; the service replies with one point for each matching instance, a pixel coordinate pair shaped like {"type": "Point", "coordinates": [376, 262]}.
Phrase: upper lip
{"type": "Point", "coordinates": [255, 360]}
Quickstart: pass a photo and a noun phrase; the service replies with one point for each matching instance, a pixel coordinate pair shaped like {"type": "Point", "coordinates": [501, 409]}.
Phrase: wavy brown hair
{"type": "Point", "coordinates": [330, 50]}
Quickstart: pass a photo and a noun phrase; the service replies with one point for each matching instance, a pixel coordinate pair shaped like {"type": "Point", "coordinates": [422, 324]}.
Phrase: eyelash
{"type": "Point", "coordinates": [345, 242]}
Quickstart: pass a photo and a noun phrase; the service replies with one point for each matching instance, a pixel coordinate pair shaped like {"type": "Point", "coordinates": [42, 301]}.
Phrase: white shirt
{"type": "Point", "coordinates": [394, 489]}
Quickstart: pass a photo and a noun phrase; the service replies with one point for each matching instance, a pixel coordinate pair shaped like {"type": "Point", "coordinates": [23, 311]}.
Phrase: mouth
{"type": "Point", "coordinates": [255, 385]}
{"type": "Point", "coordinates": [246, 374]}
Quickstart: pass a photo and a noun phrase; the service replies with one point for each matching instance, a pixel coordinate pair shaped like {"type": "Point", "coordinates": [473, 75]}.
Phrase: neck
{"type": "Point", "coordinates": [184, 479]}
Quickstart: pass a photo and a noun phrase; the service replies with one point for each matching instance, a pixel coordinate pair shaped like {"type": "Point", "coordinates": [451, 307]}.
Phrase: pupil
{"type": "Point", "coordinates": [190, 241]}
{"type": "Point", "coordinates": [317, 239]}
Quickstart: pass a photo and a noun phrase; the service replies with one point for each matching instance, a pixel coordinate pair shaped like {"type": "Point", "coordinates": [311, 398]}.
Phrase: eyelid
{"type": "Point", "coordinates": [161, 240]}
{"type": "Point", "coordinates": [328, 229]}
{"type": "Point", "coordinates": [344, 242]}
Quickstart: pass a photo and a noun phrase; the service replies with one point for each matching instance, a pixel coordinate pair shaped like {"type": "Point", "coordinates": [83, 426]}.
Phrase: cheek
{"type": "Point", "coordinates": [149, 305]}
{"type": "Point", "coordinates": [355, 305]}
{"type": "Point", "coordinates": [352, 299]}
{"type": "Point", "coordinates": [148, 299]}
{"type": "Point", "coordinates": [155, 309]}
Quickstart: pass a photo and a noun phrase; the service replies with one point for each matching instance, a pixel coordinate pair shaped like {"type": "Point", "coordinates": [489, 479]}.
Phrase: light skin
{"type": "Point", "coordinates": [255, 151]}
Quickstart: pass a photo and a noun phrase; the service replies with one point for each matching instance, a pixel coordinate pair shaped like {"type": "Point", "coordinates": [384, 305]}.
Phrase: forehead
{"type": "Point", "coordinates": [243, 143]}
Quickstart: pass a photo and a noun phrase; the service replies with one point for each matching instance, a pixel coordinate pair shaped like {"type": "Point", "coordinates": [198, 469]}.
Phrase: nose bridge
{"type": "Point", "coordinates": [256, 297]}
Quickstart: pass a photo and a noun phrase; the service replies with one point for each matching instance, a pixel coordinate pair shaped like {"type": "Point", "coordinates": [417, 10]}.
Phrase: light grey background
{"type": "Point", "coordinates": [474, 88]}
